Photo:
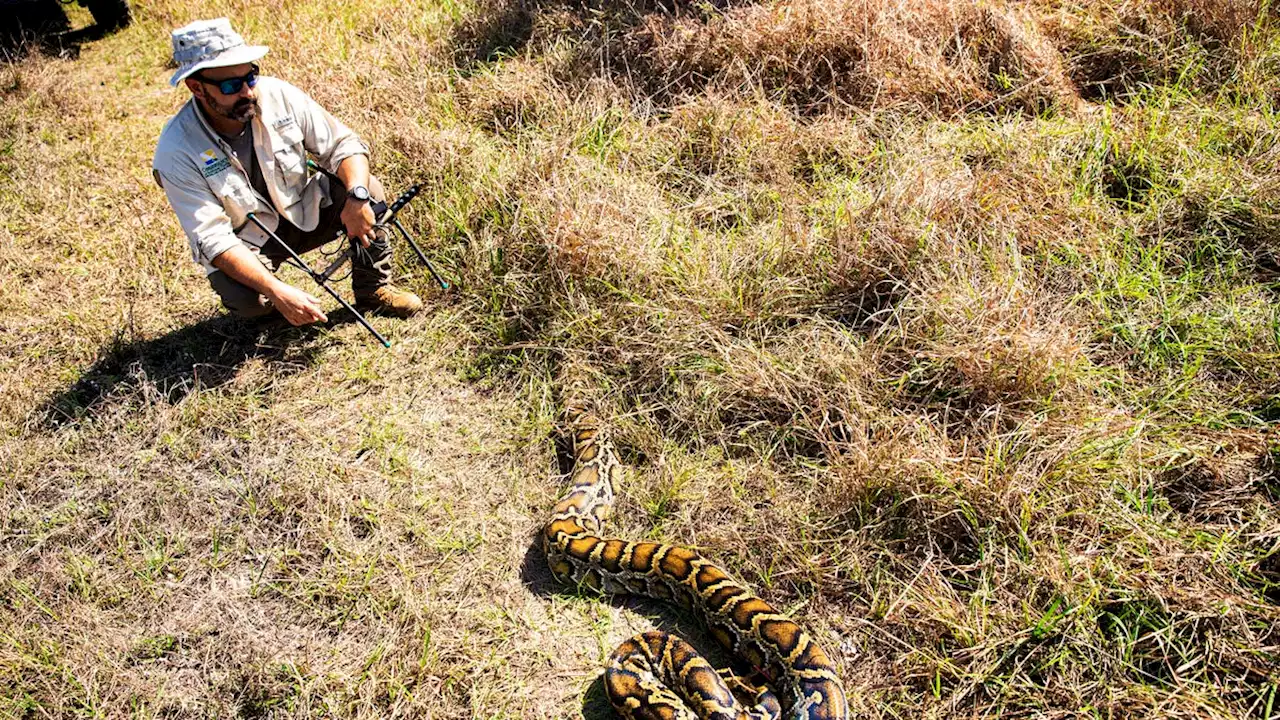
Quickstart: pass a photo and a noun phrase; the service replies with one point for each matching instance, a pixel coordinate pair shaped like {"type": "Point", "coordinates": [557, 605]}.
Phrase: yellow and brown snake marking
{"type": "Point", "coordinates": [655, 675]}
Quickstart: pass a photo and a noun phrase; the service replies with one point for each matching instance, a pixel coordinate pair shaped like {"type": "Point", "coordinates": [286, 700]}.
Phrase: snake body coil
{"type": "Point", "coordinates": [657, 675]}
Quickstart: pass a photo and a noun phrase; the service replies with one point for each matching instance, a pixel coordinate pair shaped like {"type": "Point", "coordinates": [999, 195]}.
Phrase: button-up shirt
{"type": "Point", "coordinates": [210, 189]}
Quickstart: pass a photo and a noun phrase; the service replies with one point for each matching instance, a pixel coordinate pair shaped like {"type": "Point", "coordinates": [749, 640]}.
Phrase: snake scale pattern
{"type": "Point", "coordinates": [655, 675]}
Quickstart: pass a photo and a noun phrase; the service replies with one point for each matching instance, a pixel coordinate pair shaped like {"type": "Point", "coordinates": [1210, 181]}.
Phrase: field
{"type": "Point", "coordinates": [950, 327]}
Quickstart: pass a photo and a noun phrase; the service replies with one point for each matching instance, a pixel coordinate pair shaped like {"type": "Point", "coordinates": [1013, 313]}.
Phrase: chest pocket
{"type": "Point", "coordinates": [291, 160]}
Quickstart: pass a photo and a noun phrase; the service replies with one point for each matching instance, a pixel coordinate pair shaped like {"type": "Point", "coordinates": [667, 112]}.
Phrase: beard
{"type": "Point", "coordinates": [242, 110]}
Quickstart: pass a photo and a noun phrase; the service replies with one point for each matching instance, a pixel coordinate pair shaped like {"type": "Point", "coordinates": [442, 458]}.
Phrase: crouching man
{"type": "Point", "coordinates": [240, 146]}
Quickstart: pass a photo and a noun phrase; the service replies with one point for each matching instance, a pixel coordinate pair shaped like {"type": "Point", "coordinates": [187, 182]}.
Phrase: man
{"type": "Point", "coordinates": [240, 146]}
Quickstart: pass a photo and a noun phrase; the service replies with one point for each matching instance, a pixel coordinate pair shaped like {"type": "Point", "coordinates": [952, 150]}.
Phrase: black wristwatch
{"type": "Point", "coordinates": [359, 192]}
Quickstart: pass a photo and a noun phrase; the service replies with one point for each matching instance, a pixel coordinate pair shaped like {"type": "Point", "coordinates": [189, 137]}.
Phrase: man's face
{"type": "Point", "coordinates": [241, 106]}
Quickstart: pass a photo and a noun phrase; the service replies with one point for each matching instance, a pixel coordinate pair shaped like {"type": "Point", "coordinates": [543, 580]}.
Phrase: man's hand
{"type": "Point", "coordinates": [298, 307]}
{"type": "Point", "coordinates": [241, 265]}
{"type": "Point", "coordinates": [357, 218]}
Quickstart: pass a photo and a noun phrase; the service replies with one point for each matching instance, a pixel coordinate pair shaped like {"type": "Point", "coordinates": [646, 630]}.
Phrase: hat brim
{"type": "Point", "coordinates": [234, 56]}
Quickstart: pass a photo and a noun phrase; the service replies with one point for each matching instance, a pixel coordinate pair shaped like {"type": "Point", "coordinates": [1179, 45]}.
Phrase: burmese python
{"type": "Point", "coordinates": [655, 674]}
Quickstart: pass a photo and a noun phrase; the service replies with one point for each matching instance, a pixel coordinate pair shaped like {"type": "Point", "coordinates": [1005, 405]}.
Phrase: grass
{"type": "Point", "coordinates": [950, 327]}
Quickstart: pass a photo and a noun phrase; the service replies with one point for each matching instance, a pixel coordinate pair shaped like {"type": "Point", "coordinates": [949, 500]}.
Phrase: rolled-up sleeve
{"type": "Point", "coordinates": [199, 211]}
{"type": "Point", "coordinates": [324, 136]}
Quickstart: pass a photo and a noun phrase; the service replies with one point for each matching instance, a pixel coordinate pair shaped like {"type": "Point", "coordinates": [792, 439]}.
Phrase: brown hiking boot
{"type": "Point", "coordinates": [390, 300]}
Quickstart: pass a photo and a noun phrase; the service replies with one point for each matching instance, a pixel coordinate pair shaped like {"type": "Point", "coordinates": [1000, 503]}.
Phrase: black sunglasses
{"type": "Point", "coordinates": [231, 86]}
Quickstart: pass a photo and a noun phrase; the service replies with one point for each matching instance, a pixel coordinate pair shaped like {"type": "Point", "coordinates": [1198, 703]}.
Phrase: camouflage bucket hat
{"type": "Point", "coordinates": [210, 43]}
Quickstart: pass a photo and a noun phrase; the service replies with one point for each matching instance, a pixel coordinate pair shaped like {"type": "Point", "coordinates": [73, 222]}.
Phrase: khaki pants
{"type": "Point", "coordinates": [371, 266]}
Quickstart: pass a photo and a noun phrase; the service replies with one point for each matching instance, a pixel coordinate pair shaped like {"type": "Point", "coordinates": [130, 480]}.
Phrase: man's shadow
{"type": "Point", "coordinates": [205, 355]}
{"type": "Point", "coordinates": [42, 26]}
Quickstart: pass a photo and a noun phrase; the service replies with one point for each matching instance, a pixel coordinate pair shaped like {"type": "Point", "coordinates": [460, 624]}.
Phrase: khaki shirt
{"type": "Point", "coordinates": [210, 191]}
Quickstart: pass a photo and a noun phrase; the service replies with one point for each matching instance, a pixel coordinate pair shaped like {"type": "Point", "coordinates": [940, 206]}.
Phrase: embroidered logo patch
{"type": "Point", "coordinates": [212, 164]}
{"type": "Point", "coordinates": [215, 166]}
{"type": "Point", "coordinates": [285, 121]}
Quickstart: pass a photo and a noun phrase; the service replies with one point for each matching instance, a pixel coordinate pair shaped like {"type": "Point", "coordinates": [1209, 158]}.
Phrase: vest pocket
{"type": "Point", "coordinates": [291, 160]}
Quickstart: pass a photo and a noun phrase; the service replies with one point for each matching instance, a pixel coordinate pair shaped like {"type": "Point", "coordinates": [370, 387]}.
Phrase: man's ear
{"type": "Point", "coordinates": [194, 86]}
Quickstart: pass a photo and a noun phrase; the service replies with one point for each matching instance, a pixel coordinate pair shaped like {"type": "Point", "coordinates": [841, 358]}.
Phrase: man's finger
{"type": "Point", "coordinates": [317, 310]}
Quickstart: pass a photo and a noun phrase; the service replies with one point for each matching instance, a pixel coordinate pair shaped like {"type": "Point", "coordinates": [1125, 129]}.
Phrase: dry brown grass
{"type": "Point", "coordinates": [1119, 48]}
{"type": "Point", "coordinates": [947, 56]}
{"type": "Point", "coordinates": [819, 57]}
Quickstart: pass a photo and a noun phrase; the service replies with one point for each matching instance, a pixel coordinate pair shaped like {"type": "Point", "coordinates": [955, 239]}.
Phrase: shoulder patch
{"type": "Point", "coordinates": [218, 166]}
{"type": "Point", "coordinates": [211, 164]}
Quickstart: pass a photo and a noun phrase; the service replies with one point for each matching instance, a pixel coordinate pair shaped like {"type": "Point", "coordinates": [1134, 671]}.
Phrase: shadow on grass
{"type": "Point", "coordinates": [595, 702]}
{"type": "Point", "coordinates": [42, 26]}
{"type": "Point", "coordinates": [205, 355]}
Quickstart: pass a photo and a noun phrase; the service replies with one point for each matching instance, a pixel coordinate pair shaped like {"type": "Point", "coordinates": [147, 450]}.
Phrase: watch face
{"type": "Point", "coordinates": [360, 192]}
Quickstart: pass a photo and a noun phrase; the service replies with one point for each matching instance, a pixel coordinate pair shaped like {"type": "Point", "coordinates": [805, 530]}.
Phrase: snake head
{"type": "Point", "coordinates": [578, 411]}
